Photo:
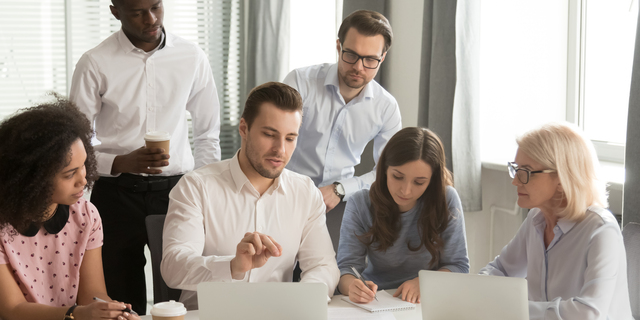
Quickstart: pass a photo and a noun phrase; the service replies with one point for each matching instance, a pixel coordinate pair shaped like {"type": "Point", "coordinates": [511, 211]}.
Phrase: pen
{"type": "Point", "coordinates": [375, 296]}
{"type": "Point", "coordinates": [125, 309]}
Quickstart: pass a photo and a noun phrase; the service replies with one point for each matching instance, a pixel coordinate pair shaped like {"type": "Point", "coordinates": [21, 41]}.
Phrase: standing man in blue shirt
{"type": "Point", "coordinates": [344, 109]}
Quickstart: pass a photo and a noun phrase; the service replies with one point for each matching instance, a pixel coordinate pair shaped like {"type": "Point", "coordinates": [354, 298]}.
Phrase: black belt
{"type": "Point", "coordinates": [136, 183]}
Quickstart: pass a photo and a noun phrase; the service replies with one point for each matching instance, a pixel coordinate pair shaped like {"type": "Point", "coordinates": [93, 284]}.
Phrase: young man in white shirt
{"type": "Point", "coordinates": [345, 108]}
{"type": "Point", "coordinates": [248, 218]}
{"type": "Point", "coordinates": [142, 79]}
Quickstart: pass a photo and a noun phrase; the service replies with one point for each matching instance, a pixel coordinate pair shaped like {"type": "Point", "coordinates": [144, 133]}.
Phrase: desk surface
{"type": "Point", "coordinates": [336, 302]}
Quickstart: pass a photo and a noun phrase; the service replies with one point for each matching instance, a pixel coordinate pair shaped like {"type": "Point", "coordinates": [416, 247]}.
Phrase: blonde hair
{"type": "Point", "coordinates": [563, 147]}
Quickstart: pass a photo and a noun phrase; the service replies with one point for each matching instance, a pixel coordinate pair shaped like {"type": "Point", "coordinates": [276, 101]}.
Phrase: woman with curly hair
{"type": "Point", "coordinates": [50, 237]}
{"type": "Point", "coordinates": [410, 220]}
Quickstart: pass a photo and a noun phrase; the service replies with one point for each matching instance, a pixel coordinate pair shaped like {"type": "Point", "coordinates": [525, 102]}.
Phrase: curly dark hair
{"type": "Point", "coordinates": [35, 144]}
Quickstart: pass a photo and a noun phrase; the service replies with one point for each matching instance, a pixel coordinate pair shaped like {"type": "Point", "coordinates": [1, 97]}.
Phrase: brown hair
{"type": "Point", "coordinates": [410, 144]}
{"type": "Point", "coordinates": [368, 23]}
{"type": "Point", "coordinates": [281, 95]}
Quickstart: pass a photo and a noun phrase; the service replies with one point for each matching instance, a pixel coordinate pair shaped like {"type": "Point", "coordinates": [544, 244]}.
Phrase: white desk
{"type": "Point", "coordinates": [335, 303]}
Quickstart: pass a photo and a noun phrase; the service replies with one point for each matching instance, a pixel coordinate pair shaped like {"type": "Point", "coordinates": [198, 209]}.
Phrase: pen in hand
{"type": "Point", "coordinates": [125, 309]}
{"type": "Point", "coordinates": [375, 296]}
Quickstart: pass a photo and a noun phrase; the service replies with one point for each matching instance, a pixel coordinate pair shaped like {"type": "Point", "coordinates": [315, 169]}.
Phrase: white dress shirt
{"type": "Point", "coordinates": [334, 134]}
{"type": "Point", "coordinates": [129, 92]}
{"type": "Point", "coordinates": [581, 275]}
{"type": "Point", "coordinates": [211, 209]}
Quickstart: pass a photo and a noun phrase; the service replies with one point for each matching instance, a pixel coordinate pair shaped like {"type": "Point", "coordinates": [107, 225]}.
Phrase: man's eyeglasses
{"type": "Point", "coordinates": [523, 174]}
{"type": "Point", "coordinates": [352, 58]}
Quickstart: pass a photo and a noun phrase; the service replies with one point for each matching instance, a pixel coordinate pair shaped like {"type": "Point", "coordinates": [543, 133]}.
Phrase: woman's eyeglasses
{"type": "Point", "coordinates": [523, 174]}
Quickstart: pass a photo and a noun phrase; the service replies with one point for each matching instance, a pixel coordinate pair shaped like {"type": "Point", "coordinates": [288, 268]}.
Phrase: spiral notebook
{"type": "Point", "coordinates": [386, 302]}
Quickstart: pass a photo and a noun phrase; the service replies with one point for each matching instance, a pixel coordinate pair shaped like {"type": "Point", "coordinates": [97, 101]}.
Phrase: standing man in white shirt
{"type": "Point", "coordinates": [142, 79]}
{"type": "Point", "coordinates": [345, 108]}
{"type": "Point", "coordinates": [248, 218]}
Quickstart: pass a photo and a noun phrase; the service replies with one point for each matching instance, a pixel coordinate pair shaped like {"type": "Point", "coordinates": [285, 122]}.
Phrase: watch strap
{"type": "Point", "coordinates": [69, 314]}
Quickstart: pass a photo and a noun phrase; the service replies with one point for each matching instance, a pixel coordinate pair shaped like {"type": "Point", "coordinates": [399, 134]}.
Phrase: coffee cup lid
{"type": "Point", "coordinates": [157, 136]}
{"type": "Point", "coordinates": [170, 308]}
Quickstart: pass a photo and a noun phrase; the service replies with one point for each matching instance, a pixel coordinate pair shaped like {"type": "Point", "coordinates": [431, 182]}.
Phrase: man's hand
{"type": "Point", "coordinates": [253, 251]}
{"type": "Point", "coordinates": [140, 161]}
{"type": "Point", "coordinates": [410, 291]}
{"type": "Point", "coordinates": [329, 196]}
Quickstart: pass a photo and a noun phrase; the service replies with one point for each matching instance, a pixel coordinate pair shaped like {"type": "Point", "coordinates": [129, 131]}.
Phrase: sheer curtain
{"type": "Point", "coordinates": [631, 201]}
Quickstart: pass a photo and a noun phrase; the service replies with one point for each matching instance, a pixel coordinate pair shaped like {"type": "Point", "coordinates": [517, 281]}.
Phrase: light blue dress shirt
{"type": "Point", "coordinates": [581, 275]}
{"type": "Point", "coordinates": [391, 268]}
{"type": "Point", "coordinates": [333, 133]}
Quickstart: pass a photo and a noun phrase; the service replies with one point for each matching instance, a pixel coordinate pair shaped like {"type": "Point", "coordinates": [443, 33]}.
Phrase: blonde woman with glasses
{"type": "Point", "coordinates": [570, 247]}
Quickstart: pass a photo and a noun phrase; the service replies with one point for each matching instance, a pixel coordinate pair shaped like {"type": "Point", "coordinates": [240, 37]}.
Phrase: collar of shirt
{"type": "Point", "coordinates": [127, 46]}
{"type": "Point", "coordinates": [240, 179]}
{"type": "Point", "coordinates": [54, 225]}
{"type": "Point", "coordinates": [562, 227]}
{"type": "Point", "coordinates": [332, 80]}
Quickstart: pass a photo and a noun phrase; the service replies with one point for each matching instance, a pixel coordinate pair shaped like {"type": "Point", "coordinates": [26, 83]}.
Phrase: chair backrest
{"type": "Point", "coordinates": [631, 235]}
{"type": "Point", "coordinates": [161, 292]}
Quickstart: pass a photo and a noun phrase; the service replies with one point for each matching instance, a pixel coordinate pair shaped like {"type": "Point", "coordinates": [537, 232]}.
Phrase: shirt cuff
{"type": "Point", "coordinates": [351, 186]}
{"type": "Point", "coordinates": [223, 265]}
{"type": "Point", "coordinates": [105, 164]}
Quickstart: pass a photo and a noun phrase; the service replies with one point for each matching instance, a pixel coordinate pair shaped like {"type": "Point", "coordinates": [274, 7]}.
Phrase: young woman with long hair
{"type": "Point", "coordinates": [410, 220]}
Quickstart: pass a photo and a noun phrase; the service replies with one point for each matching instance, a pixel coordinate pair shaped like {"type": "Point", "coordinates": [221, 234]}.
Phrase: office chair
{"type": "Point", "coordinates": [161, 292]}
{"type": "Point", "coordinates": [631, 235]}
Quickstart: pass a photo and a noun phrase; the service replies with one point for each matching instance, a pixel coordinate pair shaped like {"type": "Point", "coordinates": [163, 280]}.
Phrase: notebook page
{"type": "Point", "coordinates": [386, 302]}
{"type": "Point", "coordinates": [357, 314]}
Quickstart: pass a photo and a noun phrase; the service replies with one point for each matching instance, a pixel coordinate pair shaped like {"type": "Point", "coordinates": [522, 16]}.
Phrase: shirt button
{"type": "Point", "coordinates": [150, 85]}
{"type": "Point", "coordinates": [259, 228]}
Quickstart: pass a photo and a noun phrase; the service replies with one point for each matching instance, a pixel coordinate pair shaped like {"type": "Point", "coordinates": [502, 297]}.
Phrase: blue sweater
{"type": "Point", "coordinates": [398, 264]}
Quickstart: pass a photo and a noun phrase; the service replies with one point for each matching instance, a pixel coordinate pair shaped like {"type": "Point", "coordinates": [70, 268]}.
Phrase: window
{"type": "Point", "coordinates": [523, 63]}
{"type": "Point", "coordinates": [317, 44]}
{"type": "Point", "coordinates": [608, 47]}
{"type": "Point", "coordinates": [555, 60]}
{"type": "Point", "coordinates": [42, 40]}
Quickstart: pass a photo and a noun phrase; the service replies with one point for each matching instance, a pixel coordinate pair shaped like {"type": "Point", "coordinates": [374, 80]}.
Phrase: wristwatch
{"type": "Point", "coordinates": [69, 314]}
{"type": "Point", "coordinates": [338, 189]}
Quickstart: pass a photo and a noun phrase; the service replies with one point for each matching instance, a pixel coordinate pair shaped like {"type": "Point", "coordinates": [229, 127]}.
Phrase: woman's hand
{"type": "Point", "coordinates": [359, 293]}
{"type": "Point", "coordinates": [102, 310]}
{"type": "Point", "coordinates": [409, 291]}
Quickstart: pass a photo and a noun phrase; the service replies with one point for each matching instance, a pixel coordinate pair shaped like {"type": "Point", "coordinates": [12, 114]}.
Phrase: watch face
{"type": "Point", "coordinates": [340, 188]}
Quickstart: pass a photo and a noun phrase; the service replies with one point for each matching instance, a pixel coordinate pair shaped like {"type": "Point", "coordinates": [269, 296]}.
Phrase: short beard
{"type": "Point", "coordinates": [349, 84]}
{"type": "Point", "coordinates": [257, 165]}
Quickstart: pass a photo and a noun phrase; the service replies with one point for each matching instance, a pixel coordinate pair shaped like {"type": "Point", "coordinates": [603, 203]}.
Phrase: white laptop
{"type": "Point", "coordinates": [447, 295]}
{"type": "Point", "coordinates": [265, 300]}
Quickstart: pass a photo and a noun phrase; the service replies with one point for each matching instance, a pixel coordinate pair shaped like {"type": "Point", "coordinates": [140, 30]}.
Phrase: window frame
{"type": "Point", "coordinates": [576, 50]}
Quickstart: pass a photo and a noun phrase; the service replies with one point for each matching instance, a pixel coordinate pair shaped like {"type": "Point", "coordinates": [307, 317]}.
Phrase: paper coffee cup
{"type": "Point", "coordinates": [158, 139]}
{"type": "Point", "coordinates": [171, 310]}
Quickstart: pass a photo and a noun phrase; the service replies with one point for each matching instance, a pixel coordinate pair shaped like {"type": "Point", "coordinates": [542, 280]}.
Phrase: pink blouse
{"type": "Point", "coordinates": [47, 266]}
